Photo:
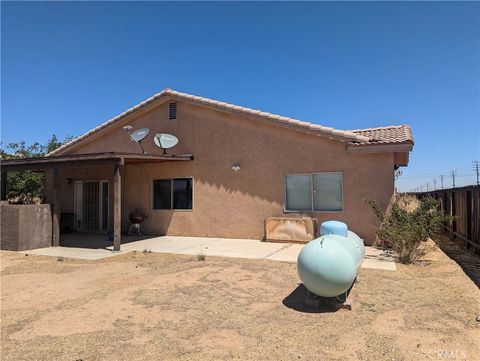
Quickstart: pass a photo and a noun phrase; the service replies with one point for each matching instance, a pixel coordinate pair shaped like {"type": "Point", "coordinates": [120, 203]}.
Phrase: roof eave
{"type": "Point", "coordinates": [380, 147]}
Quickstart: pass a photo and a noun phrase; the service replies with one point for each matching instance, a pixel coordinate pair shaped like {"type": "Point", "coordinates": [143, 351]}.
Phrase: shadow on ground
{"type": "Point", "coordinates": [95, 240]}
{"type": "Point", "coordinates": [302, 300]}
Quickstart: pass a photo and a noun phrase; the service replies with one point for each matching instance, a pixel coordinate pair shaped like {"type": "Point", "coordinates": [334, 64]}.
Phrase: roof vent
{"type": "Point", "coordinates": [172, 111]}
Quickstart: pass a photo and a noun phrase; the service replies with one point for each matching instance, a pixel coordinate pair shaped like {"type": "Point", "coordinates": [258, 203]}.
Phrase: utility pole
{"type": "Point", "coordinates": [476, 169]}
{"type": "Point", "coordinates": [441, 180]}
{"type": "Point", "coordinates": [427, 186]}
{"type": "Point", "coordinates": [434, 183]}
{"type": "Point", "coordinates": [452, 173]}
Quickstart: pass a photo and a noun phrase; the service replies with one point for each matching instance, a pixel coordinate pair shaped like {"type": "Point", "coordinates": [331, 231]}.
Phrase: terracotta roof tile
{"type": "Point", "coordinates": [393, 134]}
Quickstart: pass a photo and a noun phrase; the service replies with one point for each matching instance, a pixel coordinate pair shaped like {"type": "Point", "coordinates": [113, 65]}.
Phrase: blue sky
{"type": "Point", "coordinates": [66, 67]}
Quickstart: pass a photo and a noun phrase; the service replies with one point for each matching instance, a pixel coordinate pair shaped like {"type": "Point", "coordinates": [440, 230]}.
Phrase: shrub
{"type": "Point", "coordinates": [24, 186]}
{"type": "Point", "coordinates": [408, 224]}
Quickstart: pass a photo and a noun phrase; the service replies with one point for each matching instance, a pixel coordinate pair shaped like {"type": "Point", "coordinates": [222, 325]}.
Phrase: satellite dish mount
{"type": "Point", "coordinates": [165, 141]}
{"type": "Point", "coordinates": [137, 136]}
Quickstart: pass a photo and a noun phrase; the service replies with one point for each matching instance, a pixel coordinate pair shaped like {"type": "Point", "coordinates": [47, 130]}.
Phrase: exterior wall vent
{"type": "Point", "coordinates": [172, 111]}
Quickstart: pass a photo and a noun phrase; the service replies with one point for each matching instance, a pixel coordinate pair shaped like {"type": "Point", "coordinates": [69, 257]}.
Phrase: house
{"type": "Point", "coordinates": [232, 168]}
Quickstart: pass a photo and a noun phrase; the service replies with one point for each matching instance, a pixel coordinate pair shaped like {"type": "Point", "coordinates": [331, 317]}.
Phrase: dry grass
{"type": "Point", "coordinates": [155, 306]}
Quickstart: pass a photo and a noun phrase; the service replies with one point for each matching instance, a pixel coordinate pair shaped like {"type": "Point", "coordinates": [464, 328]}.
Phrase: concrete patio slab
{"type": "Point", "coordinates": [289, 253]}
{"type": "Point", "coordinates": [221, 247]}
{"type": "Point", "coordinates": [241, 248]}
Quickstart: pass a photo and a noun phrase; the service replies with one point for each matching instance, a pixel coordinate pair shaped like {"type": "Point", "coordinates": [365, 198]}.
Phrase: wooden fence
{"type": "Point", "coordinates": [463, 204]}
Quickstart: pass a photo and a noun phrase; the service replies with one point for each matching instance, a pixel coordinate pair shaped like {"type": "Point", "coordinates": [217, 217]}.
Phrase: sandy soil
{"type": "Point", "coordinates": [166, 307]}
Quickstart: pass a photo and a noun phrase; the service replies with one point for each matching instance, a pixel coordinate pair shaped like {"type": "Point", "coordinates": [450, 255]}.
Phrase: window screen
{"type": "Point", "coordinates": [327, 191]}
{"type": "Point", "coordinates": [299, 192]}
{"type": "Point", "coordinates": [314, 192]}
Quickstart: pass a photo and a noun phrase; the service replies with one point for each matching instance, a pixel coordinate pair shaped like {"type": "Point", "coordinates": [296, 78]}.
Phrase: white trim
{"type": "Point", "coordinates": [78, 205]}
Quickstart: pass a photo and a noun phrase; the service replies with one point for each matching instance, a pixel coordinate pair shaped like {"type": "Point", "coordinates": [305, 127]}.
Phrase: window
{"type": "Point", "coordinates": [314, 192]}
{"type": "Point", "coordinates": [328, 192]}
{"type": "Point", "coordinates": [299, 192]}
{"type": "Point", "coordinates": [173, 193]}
{"type": "Point", "coordinates": [162, 194]}
{"type": "Point", "coordinates": [172, 111]}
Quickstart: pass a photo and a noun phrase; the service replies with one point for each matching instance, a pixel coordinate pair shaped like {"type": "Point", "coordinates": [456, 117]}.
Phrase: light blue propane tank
{"type": "Point", "coordinates": [329, 264]}
{"type": "Point", "coordinates": [340, 229]}
{"type": "Point", "coordinates": [358, 244]}
{"type": "Point", "coordinates": [333, 227]}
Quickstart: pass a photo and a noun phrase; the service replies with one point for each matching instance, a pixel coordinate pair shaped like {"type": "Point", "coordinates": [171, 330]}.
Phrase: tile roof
{"type": "Point", "coordinates": [360, 136]}
{"type": "Point", "coordinates": [393, 134]}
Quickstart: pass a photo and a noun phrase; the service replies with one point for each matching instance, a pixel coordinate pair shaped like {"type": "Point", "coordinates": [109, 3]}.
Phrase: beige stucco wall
{"type": "Point", "coordinates": [229, 203]}
{"type": "Point", "coordinates": [26, 226]}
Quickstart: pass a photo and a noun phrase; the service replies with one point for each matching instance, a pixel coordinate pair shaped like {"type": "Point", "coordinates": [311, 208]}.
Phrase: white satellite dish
{"type": "Point", "coordinates": [138, 136]}
{"type": "Point", "coordinates": [165, 141]}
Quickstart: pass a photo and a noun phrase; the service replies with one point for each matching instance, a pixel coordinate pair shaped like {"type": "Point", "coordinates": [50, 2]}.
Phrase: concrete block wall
{"type": "Point", "coordinates": [25, 227]}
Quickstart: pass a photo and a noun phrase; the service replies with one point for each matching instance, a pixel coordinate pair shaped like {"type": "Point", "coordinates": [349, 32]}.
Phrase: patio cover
{"type": "Point", "coordinates": [117, 160]}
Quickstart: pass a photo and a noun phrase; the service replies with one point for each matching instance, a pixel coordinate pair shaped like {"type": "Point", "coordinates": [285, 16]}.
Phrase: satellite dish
{"type": "Point", "coordinates": [165, 141]}
{"type": "Point", "coordinates": [138, 135]}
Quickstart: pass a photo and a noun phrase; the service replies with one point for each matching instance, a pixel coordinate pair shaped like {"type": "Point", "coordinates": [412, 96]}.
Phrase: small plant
{"type": "Point", "coordinates": [369, 306]}
{"type": "Point", "coordinates": [145, 250]}
{"type": "Point", "coordinates": [408, 224]}
{"type": "Point", "coordinates": [200, 257]}
{"type": "Point", "coordinates": [60, 259]}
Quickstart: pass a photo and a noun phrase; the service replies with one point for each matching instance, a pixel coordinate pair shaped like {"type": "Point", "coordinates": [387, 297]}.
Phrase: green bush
{"type": "Point", "coordinates": [27, 187]}
{"type": "Point", "coordinates": [408, 224]}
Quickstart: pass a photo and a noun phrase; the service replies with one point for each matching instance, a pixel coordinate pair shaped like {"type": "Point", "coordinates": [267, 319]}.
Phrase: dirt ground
{"type": "Point", "coordinates": [168, 307]}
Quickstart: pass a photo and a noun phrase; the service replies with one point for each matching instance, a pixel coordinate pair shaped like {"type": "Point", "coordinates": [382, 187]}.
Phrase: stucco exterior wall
{"type": "Point", "coordinates": [229, 203]}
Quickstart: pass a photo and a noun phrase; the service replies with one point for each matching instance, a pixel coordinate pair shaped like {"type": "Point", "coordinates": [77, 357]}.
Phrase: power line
{"type": "Point", "coordinates": [457, 175]}
{"type": "Point", "coordinates": [476, 169]}
{"type": "Point", "coordinates": [452, 174]}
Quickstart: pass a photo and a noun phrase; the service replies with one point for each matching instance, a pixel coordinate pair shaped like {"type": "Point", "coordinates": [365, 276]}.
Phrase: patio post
{"type": "Point", "coordinates": [117, 209]}
{"type": "Point", "coordinates": [56, 210]}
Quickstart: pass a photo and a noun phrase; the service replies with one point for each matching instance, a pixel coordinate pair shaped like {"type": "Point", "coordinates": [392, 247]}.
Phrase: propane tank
{"type": "Point", "coordinates": [329, 264]}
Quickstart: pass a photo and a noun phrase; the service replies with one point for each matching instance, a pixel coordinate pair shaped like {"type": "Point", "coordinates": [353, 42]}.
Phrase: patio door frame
{"type": "Point", "coordinates": [78, 205]}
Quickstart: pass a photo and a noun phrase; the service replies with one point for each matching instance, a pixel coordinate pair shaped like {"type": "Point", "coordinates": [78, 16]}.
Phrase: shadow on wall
{"type": "Point", "coordinates": [224, 194]}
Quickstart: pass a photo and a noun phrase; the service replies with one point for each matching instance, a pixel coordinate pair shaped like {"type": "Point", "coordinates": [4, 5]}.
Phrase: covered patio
{"type": "Point", "coordinates": [55, 164]}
